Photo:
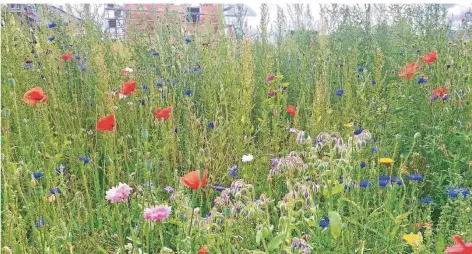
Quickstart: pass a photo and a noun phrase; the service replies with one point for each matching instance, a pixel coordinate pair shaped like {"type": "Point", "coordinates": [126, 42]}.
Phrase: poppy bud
{"type": "Point", "coordinates": [417, 136]}
{"type": "Point", "coordinates": [11, 82]}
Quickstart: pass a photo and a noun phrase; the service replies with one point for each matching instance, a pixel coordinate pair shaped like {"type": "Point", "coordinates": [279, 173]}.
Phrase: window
{"type": "Point", "coordinates": [112, 23]}
{"type": "Point", "coordinates": [194, 15]}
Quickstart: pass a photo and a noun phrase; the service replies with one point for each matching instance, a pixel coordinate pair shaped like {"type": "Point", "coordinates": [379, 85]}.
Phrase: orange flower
{"type": "Point", "coordinates": [128, 87]}
{"type": "Point", "coordinates": [67, 56]}
{"type": "Point", "coordinates": [34, 95]}
{"type": "Point", "coordinates": [162, 113]}
{"type": "Point", "coordinates": [439, 92]}
{"type": "Point", "coordinates": [291, 110]}
{"type": "Point", "coordinates": [193, 181]}
{"type": "Point", "coordinates": [430, 57]}
{"type": "Point", "coordinates": [203, 250]}
{"type": "Point", "coordinates": [407, 71]}
{"type": "Point", "coordinates": [106, 123]}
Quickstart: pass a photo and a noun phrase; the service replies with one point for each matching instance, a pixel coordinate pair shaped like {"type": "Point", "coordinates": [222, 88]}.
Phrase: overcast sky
{"type": "Point", "coordinates": [456, 11]}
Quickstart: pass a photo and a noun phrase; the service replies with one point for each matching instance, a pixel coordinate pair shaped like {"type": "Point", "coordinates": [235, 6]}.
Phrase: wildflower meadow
{"type": "Point", "coordinates": [351, 134]}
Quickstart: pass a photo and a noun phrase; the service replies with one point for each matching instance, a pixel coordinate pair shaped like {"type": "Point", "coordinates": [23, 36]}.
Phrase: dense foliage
{"type": "Point", "coordinates": [332, 141]}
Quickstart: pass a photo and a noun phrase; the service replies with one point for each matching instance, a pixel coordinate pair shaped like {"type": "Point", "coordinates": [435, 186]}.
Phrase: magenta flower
{"type": "Point", "coordinates": [118, 193]}
{"type": "Point", "coordinates": [157, 213]}
{"type": "Point", "coordinates": [270, 78]}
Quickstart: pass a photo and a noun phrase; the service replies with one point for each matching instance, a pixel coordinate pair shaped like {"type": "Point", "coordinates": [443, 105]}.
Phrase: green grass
{"type": "Point", "coordinates": [230, 90]}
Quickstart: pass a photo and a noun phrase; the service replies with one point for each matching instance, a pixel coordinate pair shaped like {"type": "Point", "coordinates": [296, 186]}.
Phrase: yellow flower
{"type": "Point", "coordinates": [413, 239]}
{"type": "Point", "coordinates": [348, 124]}
{"type": "Point", "coordinates": [386, 161]}
{"type": "Point", "coordinates": [51, 198]}
{"type": "Point", "coordinates": [284, 84]}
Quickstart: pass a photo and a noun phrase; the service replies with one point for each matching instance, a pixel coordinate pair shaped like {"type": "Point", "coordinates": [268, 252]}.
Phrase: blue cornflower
{"type": "Point", "coordinates": [383, 181]}
{"type": "Point", "coordinates": [426, 200]}
{"type": "Point", "coordinates": [363, 164]}
{"type": "Point", "coordinates": [188, 92]}
{"type": "Point", "coordinates": [446, 97]}
{"type": "Point", "coordinates": [218, 187]}
{"type": "Point", "coordinates": [51, 38]}
{"type": "Point", "coordinates": [61, 170]}
{"type": "Point", "coordinates": [360, 69]}
{"type": "Point", "coordinates": [37, 175]}
{"type": "Point", "coordinates": [373, 82]}
{"type": "Point", "coordinates": [416, 177]}
{"type": "Point", "coordinates": [188, 40]}
{"type": "Point", "coordinates": [339, 92]}
{"type": "Point", "coordinates": [163, 95]}
{"type": "Point", "coordinates": [176, 130]}
{"type": "Point", "coordinates": [169, 189]}
{"type": "Point", "coordinates": [398, 180]}
{"type": "Point", "coordinates": [142, 102]}
{"type": "Point", "coordinates": [418, 51]}
{"type": "Point", "coordinates": [400, 53]}
{"type": "Point", "coordinates": [28, 64]}
{"type": "Point", "coordinates": [364, 184]}
{"type": "Point", "coordinates": [83, 67]}
{"type": "Point", "coordinates": [358, 131]}
{"type": "Point", "coordinates": [211, 125]}
{"type": "Point", "coordinates": [422, 80]}
{"type": "Point", "coordinates": [159, 84]}
{"type": "Point", "coordinates": [52, 25]}
{"type": "Point", "coordinates": [373, 149]}
{"type": "Point", "coordinates": [39, 223]}
{"type": "Point", "coordinates": [324, 222]}
{"type": "Point", "coordinates": [196, 69]}
{"type": "Point", "coordinates": [233, 171]}
{"type": "Point", "coordinates": [155, 53]}
{"type": "Point", "coordinates": [77, 57]}
{"type": "Point", "coordinates": [453, 192]}
{"type": "Point", "coordinates": [55, 191]}
{"type": "Point", "coordinates": [85, 159]}
{"type": "Point", "coordinates": [144, 86]}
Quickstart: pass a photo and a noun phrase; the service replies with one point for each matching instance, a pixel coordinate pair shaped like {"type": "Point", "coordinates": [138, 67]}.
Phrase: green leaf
{"type": "Point", "coordinates": [276, 241]}
{"type": "Point", "coordinates": [258, 237]}
{"type": "Point", "coordinates": [335, 190]}
{"type": "Point", "coordinates": [335, 224]}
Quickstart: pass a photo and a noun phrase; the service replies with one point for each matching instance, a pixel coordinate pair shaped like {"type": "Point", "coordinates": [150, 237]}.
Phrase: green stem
{"type": "Point", "coordinates": [160, 235]}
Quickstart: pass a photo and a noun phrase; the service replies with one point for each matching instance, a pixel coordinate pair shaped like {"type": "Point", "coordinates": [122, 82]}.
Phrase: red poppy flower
{"type": "Point", "coordinates": [439, 92]}
{"type": "Point", "coordinates": [407, 71]}
{"type": "Point", "coordinates": [460, 247]}
{"type": "Point", "coordinates": [128, 87]}
{"type": "Point", "coordinates": [203, 250]}
{"type": "Point", "coordinates": [193, 181]}
{"type": "Point", "coordinates": [35, 94]}
{"type": "Point", "coordinates": [291, 110]}
{"type": "Point", "coordinates": [106, 123]}
{"type": "Point", "coordinates": [67, 56]}
{"type": "Point", "coordinates": [430, 57]}
{"type": "Point", "coordinates": [162, 113]}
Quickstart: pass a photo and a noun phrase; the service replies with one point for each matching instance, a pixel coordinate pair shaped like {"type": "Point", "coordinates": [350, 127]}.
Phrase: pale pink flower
{"type": "Point", "coordinates": [157, 213]}
{"type": "Point", "coordinates": [118, 193]}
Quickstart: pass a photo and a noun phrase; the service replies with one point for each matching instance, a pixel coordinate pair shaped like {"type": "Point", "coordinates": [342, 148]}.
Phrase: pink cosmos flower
{"type": "Point", "coordinates": [157, 213]}
{"type": "Point", "coordinates": [270, 78]}
{"type": "Point", "coordinates": [118, 193]}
